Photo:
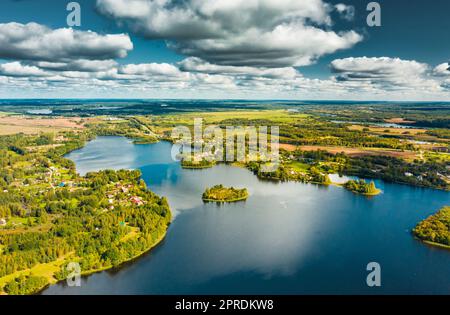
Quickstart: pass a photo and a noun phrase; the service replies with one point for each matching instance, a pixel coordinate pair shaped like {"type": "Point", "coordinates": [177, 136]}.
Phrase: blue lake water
{"type": "Point", "coordinates": [287, 238]}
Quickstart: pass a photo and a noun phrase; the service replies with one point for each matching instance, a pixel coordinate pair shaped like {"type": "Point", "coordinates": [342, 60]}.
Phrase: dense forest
{"type": "Point", "coordinates": [436, 228]}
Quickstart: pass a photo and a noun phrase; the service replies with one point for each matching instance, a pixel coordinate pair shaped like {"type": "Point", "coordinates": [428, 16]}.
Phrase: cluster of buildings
{"type": "Point", "coordinates": [124, 189]}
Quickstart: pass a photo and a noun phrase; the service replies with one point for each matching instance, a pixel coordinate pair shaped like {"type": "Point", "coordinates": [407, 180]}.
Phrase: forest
{"type": "Point", "coordinates": [436, 228]}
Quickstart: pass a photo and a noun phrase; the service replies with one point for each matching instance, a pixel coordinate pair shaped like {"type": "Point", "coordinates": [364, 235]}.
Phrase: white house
{"type": "Point", "coordinates": [2, 222]}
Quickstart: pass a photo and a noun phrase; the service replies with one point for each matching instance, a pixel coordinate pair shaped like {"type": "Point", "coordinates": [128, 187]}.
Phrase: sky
{"type": "Point", "coordinates": [233, 49]}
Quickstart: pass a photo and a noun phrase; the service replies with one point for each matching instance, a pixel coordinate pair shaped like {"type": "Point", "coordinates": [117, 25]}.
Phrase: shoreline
{"type": "Point", "coordinates": [432, 244]}
{"type": "Point", "coordinates": [225, 201]}
{"type": "Point", "coordinates": [197, 167]}
{"type": "Point", "coordinates": [367, 194]}
{"type": "Point", "coordinates": [100, 270]}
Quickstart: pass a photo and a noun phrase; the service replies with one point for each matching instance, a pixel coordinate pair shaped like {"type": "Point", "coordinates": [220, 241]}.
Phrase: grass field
{"type": "Point", "coordinates": [354, 152]}
{"type": "Point", "coordinates": [399, 120]}
{"type": "Point", "coordinates": [275, 116]}
{"type": "Point", "coordinates": [12, 124]}
{"type": "Point", "coordinates": [45, 270]}
{"type": "Point", "coordinates": [388, 131]}
{"type": "Point", "coordinates": [299, 166]}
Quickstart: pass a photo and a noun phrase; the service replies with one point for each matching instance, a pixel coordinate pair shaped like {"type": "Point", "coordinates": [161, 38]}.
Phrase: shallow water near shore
{"type": "Point", "coordinates": [287, 238]}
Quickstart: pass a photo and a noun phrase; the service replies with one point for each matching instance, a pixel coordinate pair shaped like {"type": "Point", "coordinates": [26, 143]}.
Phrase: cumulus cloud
{"type": "Point", "coordinates": [193, 64]}
{"type": "Point", "coordinates": [256, 33]}
{"type": "Point", "coordinates": [346, 11]}
{"type": "Point", "coordinates": [353, 78]}
{"type": "Point", "coordinates": [382, 72]}
{"type": "Point", "coordinates": [16, 69]}
{"type": "Point", "coordinates": [151, 69]}
{"type": "Point", "coordinates": [442, 70]}
{"type": "Point", "coordinates": [81, 65]}
{"type": "Point", "coordinates": [36, 42]}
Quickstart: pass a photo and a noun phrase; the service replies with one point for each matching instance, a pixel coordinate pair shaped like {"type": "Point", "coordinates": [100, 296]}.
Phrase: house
{"type": "Point", "coordinates": [408, 174]}
{"type": "Point", "coordinates": [2, 222]}
{"type": "Point", "coordinates": [137, 201]}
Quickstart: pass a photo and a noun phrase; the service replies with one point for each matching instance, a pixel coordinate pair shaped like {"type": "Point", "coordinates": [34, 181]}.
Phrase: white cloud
{"type": "Point", "coordinates": [78, 65]}
{"type": "Point", "coordinates": [16, 69]}
{"type": "Point", "coordinates": [356, 78]}
{"type": "Point", "coordinates": [193, 64]}
{"type": "Point", "coordinates": [346, 11]}
{"type": "Point", "coordinates": [151, 69]}
{"type": "Point", "coordinates": [33, 41]}
{"type": "Point", "coordinates": [256, 33]}
{"type": "Point", "coordinates": [442, 70]}
{"type": "Point", "coordinates": [383, 72]}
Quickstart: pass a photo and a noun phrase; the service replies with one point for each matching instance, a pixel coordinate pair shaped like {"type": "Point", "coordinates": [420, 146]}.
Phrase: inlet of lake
{"type": "Point", "coordinates": [287, 238]}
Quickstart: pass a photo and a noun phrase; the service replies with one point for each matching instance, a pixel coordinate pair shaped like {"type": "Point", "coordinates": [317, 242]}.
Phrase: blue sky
{"type": "Point", "coordinates": [319, 49]}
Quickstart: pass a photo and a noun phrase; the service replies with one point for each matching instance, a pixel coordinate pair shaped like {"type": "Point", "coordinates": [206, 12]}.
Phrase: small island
{"type": "Point", "coordinates": [219, 193]}
{"type": "Point", "coordinates": [361, 187]}
{"type": "Point", "coordinates": [192, 164]}
{"type": "Point", "coordinates": [435, 230]}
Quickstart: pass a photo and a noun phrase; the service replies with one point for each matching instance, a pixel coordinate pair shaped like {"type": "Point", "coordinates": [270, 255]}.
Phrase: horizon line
{"type": "Point", "coordinates": [223, 99]}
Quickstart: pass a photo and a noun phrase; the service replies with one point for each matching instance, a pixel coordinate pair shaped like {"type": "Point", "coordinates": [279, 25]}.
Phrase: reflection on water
{"type": "Point", "coordinates": [287, 238]}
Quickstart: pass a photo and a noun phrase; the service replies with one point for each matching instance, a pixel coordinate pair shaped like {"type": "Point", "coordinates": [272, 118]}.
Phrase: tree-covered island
{"type": "Point", "coordinates": [435, 230]}
{"type": "Point", "coordinates": [362, 187]}
{"type": "Point", "coordinates": [196, 164]}
{"type": "Point", "coordinates": [219, 193]}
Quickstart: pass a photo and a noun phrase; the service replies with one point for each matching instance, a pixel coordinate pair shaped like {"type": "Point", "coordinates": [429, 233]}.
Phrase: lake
{"type": "Point", "coordinates": [287, 238]}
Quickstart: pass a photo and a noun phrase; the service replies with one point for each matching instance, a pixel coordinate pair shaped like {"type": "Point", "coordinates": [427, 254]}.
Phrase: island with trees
{"type": "Point", "coordinates": [221, 194]}
{"type": "Point", "coordinates": [362, 187]}
{"type": "Point", "coordinates": [194, 164]}
{"type": "Point", "coordinates": [435, 230]}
